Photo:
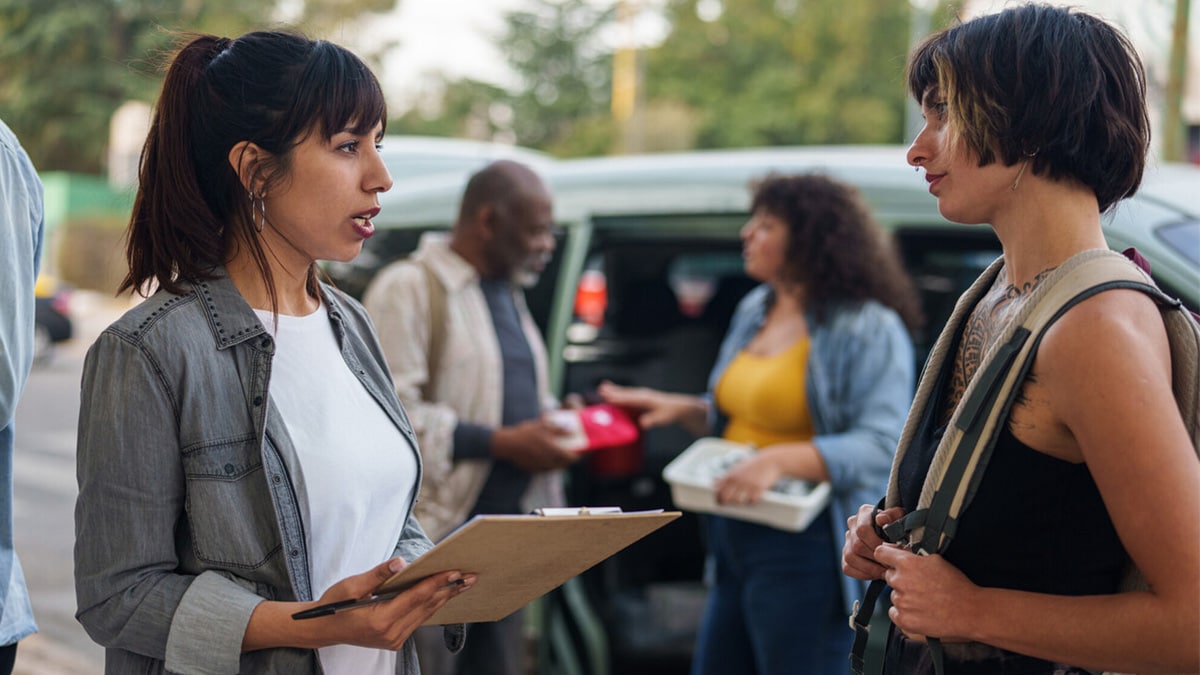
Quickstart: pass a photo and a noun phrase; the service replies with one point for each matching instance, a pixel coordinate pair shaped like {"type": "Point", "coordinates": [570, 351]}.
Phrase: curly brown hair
{"type": "Point", "coordinates": [837, 252]}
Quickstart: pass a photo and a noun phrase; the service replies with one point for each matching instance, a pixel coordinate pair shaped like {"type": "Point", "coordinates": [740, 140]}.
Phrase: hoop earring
{"type": "Point", "coordinates": [1024, 165]}
{"type": "Point", "coordinates": [258, 203]}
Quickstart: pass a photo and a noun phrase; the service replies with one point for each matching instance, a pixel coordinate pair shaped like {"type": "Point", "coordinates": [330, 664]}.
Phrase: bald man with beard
{"type": "Point", "coordinates": [475, 384]}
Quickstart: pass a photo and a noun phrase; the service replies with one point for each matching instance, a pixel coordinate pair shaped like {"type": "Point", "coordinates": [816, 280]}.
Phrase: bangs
{"type": "Point", "coordinates": [923, 70]}
{"type": "Point", "coordinates": [338, 91]}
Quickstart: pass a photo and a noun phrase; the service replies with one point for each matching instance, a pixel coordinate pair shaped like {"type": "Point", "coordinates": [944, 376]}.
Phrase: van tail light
{"type": "Point", "coordinates": [591, 297]}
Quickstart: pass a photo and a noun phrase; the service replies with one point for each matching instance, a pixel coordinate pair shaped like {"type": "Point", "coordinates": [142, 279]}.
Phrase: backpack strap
{"type": "Point", "coordinates": [869, 618]}
{"type": "Point", "coordinates": [937, 368]}
{"type": "Point", "coordinates": [872, 630]}
{"type": "Point", "coordinates": [965, 449]}
{"type": "Point", "coordinates": [437, 325]}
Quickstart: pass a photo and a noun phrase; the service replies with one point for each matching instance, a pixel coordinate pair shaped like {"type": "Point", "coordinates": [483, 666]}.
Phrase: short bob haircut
{"type": "Point", "coordinates": [1056, 86]}
{"type": "Point", "coordinates": [271, 88]}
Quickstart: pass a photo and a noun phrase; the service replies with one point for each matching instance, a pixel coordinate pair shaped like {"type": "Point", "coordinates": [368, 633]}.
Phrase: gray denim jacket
{"type": "Point", "coordinates": [187, 515]}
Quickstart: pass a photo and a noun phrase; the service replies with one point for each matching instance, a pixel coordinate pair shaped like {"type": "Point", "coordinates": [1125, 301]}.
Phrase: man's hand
{"type": "Point", "coordinates": [533, 446]}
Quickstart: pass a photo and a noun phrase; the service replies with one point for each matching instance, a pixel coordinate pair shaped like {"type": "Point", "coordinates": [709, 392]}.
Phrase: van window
{"type": "Point", "coordinates": [942, 262]}
{"type": "Point", "coordinates": [1183, 237]}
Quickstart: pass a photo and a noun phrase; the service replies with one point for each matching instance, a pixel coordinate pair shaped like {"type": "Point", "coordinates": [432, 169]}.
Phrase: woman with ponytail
{"type": "Point", "coordinates": [242, 455]}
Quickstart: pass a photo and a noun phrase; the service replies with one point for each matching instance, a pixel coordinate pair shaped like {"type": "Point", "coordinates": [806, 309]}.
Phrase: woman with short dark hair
{"type": "Point", "coordinates": [1035, 123]}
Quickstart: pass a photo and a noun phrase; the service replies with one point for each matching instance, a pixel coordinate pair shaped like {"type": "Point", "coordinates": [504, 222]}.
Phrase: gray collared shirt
{"type": "Point", "coordinates": [187, 515]}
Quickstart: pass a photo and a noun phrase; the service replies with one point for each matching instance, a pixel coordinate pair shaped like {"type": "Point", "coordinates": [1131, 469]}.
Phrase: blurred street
{"type": "Point", "coordinates": [44, 497]}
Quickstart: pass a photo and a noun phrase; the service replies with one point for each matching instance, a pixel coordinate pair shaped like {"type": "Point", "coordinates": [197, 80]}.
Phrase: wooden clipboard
{"type": "Point", "coordinates": [521, 558]}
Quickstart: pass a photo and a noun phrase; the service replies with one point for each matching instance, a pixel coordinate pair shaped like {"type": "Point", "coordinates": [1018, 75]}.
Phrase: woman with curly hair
{"type": "Point", "coordinates": [816, 372]}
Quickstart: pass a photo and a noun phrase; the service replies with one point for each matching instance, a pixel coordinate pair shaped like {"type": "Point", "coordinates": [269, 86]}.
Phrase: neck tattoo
{"type": "Point", "coordinates": [983, 328]}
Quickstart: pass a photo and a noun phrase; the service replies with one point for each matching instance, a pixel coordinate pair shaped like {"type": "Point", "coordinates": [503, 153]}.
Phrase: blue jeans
{"type": "Point", "coordinates": [776, 603]}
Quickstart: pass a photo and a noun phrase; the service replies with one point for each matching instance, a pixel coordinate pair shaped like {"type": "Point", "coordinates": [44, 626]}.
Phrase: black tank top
{"type": "Point", "coordinates": [1036, 523]}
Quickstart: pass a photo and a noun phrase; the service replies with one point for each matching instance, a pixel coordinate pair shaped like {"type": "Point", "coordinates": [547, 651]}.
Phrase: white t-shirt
{"type": "Point", "coordinates": [358, 471]}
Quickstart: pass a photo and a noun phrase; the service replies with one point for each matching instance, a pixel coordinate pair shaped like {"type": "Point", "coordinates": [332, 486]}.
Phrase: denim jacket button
{"type": "Point", "coordinates": [229, 469]}
{"type": "Point", "coordinates": [257, 401]}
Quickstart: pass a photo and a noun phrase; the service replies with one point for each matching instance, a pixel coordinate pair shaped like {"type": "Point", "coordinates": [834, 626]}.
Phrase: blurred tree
{"type": "Point", "coordinates": [322, 16]}
{"type": "Point", "coordinates": [66, 65]}
{"type": "Point", "coordinates": [561, 102]}
{"type": "Point", "coordinates": [774, 72]}
{"type": "Point", "coordinates": [730, 73]}
{"type": "Point", "coordinates": [565, 73]}
{"type": "Point", "coordinates": [1174, 136]}
{"type": "Point", "coordinates": [463, 108]}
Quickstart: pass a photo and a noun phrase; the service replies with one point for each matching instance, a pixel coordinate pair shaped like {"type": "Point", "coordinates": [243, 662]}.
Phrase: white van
{"type": "Point", "coordinates": [640, 291]}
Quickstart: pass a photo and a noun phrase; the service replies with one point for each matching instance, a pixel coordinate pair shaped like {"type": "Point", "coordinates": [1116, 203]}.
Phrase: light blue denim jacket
{"type": "Point", "coordinates": [859, 386]}
{"type": "Point", "coordinates": [187, 515]}
{"type": "Point", "coordinates": [21, 230]}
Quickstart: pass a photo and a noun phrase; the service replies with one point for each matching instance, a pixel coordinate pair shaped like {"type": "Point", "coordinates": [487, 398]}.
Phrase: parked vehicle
{"type": "Point", "coordinates": [52, 320]}
{"type": "Point", "coordinates": [409, 157]}
{"type": "Point", "coordinates": [640, 292]}
{"type": "Point", "coordinates": [417, 163]}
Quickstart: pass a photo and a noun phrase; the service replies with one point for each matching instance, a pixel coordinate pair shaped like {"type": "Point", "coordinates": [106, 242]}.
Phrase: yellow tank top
{"type": "Point", "coordinates": [764, 398]}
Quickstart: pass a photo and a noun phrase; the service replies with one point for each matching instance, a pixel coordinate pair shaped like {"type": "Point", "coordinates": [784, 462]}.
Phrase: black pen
{"type": "Point", "coordinates": [344, 605]}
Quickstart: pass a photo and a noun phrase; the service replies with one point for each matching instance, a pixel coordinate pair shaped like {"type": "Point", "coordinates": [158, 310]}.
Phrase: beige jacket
{"type": "Point", "coordinates": [469, 382]}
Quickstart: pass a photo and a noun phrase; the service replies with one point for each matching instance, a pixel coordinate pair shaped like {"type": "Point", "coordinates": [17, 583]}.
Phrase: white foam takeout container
{"type": "Point", "coordinates": [789, 505]}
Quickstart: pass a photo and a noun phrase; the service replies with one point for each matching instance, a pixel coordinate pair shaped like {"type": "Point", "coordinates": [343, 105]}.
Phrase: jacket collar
{"type": "Point", "coordinates": [452, 269]}
{"type": "Point", "coordinates": [232, 320]}
{"type": "Point", "coordinates": [230, 317]}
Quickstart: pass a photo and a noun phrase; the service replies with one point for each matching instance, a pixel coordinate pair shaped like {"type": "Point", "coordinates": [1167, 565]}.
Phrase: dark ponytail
{"type": "Point", "coordinates": [169, 189]}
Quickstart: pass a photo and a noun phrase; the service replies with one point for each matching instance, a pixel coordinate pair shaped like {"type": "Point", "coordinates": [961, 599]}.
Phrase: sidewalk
{"type": "Point", "coordinates": [40, 655]}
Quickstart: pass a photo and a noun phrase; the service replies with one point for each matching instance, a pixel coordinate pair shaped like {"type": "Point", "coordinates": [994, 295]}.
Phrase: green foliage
{"type": "Point", "coordinates": [564, 73]}
{"type": "Point", "coordinates": [762, 72]}
{"type": "Point", "coordinates": [774, 72]}
{"type": "Point", "coordinates": [323, 16]}
{"type": "Point", "coordinates": [561, 103]}
{"type": "Point", "coordinates": [463, 108]}
{"type": "Point", "coordinates": [66, 65]}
